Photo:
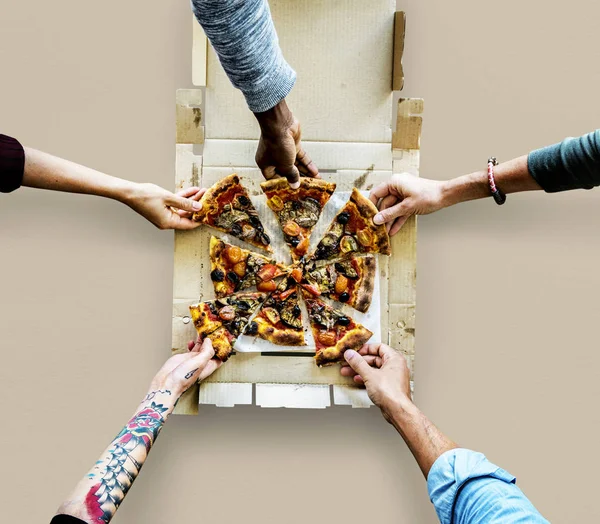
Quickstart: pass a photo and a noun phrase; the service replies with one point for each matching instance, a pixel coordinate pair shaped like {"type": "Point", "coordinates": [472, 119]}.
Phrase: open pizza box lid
{"type": "Point", "coordinates": [348, 59]}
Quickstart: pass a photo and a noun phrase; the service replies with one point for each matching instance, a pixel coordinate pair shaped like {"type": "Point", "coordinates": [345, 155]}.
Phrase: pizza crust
{"type": "Point", "coordinates": [366, 286]}
{"type": "Point", "coordinates": [280, 337]}
{"type": "Point", "coordinates": [306, 183]}
{"type": "Point", "coordinates": [209, 199]}
{"type": "Point", "coordinates": [353, 339]}
{"type": "Point", "coordinates": [367, 209]}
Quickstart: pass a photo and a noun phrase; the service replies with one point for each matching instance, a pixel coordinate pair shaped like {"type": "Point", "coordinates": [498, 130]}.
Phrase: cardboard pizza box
{"type": "Point", "coordinates": [348, 58]}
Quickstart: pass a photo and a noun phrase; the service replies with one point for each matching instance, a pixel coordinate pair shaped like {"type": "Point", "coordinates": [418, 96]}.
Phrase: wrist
{"type": "Point", "coordinates": [162, 395]}
{"type": "Point", "coordinates": [464, 188]}
{"type": "Point", "coordinates": [400, 412]}
{"type": "Point", "coordinates": [124, 191]}
{"type": "Point", "coordinates": [275, 121]}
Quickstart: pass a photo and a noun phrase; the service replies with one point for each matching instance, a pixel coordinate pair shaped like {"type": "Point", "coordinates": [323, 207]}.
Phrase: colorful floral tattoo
{"type": "Point", "coordinates": [118, 471]}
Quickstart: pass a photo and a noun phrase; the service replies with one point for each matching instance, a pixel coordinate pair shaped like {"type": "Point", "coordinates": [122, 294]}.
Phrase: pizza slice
{"type": "Point", "coordinates": [224, 319]}
{"type": "Point", "coordinates": [334, 332]}
{"type": "Point", "coordinates": [350, 281]}
{"type": "Point", "coordinates": [352, 231]}
{"type": "Point", "coordinates": [279, 321]}
{"type": "Point", "coordinates": [226, 206]}
{"type": "Point", "coordinates": [297, 210]}
{"type": "Point", "coordinates": [235, 269]}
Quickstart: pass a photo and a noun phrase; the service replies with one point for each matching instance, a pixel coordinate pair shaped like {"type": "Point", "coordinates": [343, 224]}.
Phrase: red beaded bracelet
{"type": "Point", "coordinates": [499, 196]}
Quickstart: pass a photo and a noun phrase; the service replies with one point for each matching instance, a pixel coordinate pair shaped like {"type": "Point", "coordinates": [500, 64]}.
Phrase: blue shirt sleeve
{"type": "Point", "coordinates": [465, 488]}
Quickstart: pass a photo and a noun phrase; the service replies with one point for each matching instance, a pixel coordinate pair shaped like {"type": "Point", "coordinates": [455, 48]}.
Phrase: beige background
{"type": "Point", "coordinates": [507, 346]}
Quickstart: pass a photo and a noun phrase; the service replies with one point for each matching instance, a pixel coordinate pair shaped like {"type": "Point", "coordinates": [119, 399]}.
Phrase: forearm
{"type": "Point", "coordinates": [511, 177]}
{"type": "Point", "coordinates": [426, 442]}
{"type": "Point", "coordinates": [243, 36]}
{"type": "Point", "coordinates": [44, 171]}
{"type": "Point", "coordinates": [99, 494]}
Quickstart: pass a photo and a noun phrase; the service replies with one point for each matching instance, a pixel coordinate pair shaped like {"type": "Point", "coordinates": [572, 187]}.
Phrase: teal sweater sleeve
{"type": "Point", "coordinates": [574, 163]}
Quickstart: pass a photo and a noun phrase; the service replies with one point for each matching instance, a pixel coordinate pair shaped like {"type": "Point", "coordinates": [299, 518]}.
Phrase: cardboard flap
{"type": "Point", "coordinates": [292, 396]}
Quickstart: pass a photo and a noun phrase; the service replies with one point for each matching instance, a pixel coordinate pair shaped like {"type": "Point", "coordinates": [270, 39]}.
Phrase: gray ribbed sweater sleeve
{"type": "Point", "coordinates": [244, 38]}
{"type": "Point", "coordinates": [574, 163]}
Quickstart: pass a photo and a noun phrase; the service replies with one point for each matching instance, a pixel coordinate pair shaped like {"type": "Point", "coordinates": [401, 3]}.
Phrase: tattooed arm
{"type": "Point", "coordinates": [98, 495]}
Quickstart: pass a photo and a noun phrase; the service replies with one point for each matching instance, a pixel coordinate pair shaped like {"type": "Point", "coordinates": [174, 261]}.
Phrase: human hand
{"type": "Point", "coordinates": [183, 370]}
{"type": "Point", "coordinates": [164, 209]}
{"type": "Point", "coordinates": [384, 373]}
{"type": "Point", "coordinates": [280, 151]}
{"type": "Point", "coordinates": [405, 195]}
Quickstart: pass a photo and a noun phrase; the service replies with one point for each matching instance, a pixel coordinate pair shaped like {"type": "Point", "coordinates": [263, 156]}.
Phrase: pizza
{"type": "Point", "coordinates": [279, 320]}
{"type": "Point", "coordinates": [350, 281]}
{"type": "Point", "coordinates": [224, 319]}
{"type": "Point", "coordinates": [235, 269]}
{"type": "Point", "coordinates": [334, 331]}
{"type": "Point", "coordinates": [297, 210]}
{"type": "Point", "coordinates": [226, 206]}
{"type": "Point", "coordinates": [353, 231]}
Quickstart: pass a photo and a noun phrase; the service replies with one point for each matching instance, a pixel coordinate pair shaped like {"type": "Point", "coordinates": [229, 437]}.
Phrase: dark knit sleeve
{"type": "Point", "coordinates": [12, 164]}
{"type": "Point", "coordinates": [66, 519]}
{"type": "Point", "coordinates": [574, 163]}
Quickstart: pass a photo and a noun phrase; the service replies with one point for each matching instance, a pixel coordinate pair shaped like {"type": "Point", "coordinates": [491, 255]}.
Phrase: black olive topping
{"type": "Point", "coordinates": [217, 275]}
{"type": "Point", "coordinates": [236, 230]}
{"type": "Point", "coordinates": [243, 200]}
{"type": "Point", "coordinates": [343, 321]}
{"type": "Point", "coordinates": [344, 297]}
{"type": "Point", "coordinates": [254, 221]}
{"type": "Point", "coordinates": [252, 328]}
{"type": "Point", "coordinates": [296, 205]}
{"type": "Point", "coordinates": [294, 241]}
{"type": "Point", "coordinates": [264, 238]}
{"type": "Point", "coordinates": [231, 276]}
{"type": "Point", "coordinates": [296, 311]}
{"type": "Point", "coordinates": [343, 217]}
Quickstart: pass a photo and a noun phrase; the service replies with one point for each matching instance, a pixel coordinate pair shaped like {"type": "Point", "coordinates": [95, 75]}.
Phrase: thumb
{"type": "Point", "coordinates": [390, 213]}
{"type": "Point", "coordinates": [292, 174]}
{"type": "Point", "coordinates": [185, 204]}
{"type": "Point", "coordinates": [358, 364]}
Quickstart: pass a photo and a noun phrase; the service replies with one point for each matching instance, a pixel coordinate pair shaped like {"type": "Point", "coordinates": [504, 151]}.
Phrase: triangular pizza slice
{"type": "Point", "coordinates": [350, 281]}
{"type": "Point", "coordinates": [235, 269]}
{"type": "Point", "coordinates": [226, 206]}
{"type": "Point", "coordinates": [334, 331]}
{"type": "Point", "coordinates": [297, 210]}
{"type": "Point", "coordinates": [279, 321]}
{"type": "Point", "coordinates": [224, 319]}
{"type": "Point", "coordinates": [352, 231]}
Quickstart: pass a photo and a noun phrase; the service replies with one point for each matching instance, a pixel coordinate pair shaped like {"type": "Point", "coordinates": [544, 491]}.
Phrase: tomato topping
{"type": "Point", "coordinates": [285, 295]}
{"type": "Point", "coordinates": [275, 203]}
{"type": "Point", "coordinates": [291, 229]}
{"type": "Point", "coordinates": [327, 338]}
{"type": "Point", "coordinates": [240, 268]}
{"type": "Point", "coordinates": [341, 284]}
{"type": "Point", "coordinates": [267, 287]}
{"type": "Point", "coordinates": [365, 237]}
{"type": "Point", "coordinates": [296, 274]}
{"type": "Point", "coordinates": [227, 313]}
{"type": "Point", "coordinates": [312, 288]}
{"type": "Point", "coordinates": [267, 272]}
{"type": "Point", "coordinates": [233, 254]}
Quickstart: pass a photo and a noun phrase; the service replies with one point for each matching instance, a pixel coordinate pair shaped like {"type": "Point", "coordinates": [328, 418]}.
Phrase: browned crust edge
{"type": "Point", "coordinates": [354, 339]}
{"type": "Point", "coordinates": [277, 184]}
{"type": "Point", "coordinates": [209, 198]}
{"type": "Point", "coordinates": [223, 348]}
{"type": "Point", "coordinates": [287, 337]}
{"type": "Point", "coordinates": [366, 284]}
{"type": "Point", "coordinates": [367, 209]}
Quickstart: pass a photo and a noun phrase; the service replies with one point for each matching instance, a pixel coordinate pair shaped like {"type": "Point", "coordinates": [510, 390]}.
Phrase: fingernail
{"type": "Point", "coordinates": [197, 206]}
{"type": "Point", "coordinates": [295, 185]}
{"type": "Point", "coordinates": [378, 219]}
{"type": "Point", "coordinates": [349, 354]}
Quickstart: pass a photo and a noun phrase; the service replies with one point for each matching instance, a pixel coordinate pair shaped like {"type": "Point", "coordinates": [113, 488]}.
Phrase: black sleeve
{"type": "Point", "coordinates": [574, 163]}
{"type": "Point", "coordinates": [12, 164]}
{"type": "Point", "coordinates": [66, 519]}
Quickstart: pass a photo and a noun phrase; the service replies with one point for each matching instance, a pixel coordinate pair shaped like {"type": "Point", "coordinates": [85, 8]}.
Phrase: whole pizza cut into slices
{"type": "Point", "coordinates": [350, 281]}
{"type": "Point", "coordinates": [279, 321]}
{"type": "Point", "coordinates": [352, 231]}
{"type": "Point", "coordinates": [297, 210]}
{"type": "Point", "coordinates": [334, 332]}
{"type": "Point", "coordinates": [235, 269]}
{"type": "Point", "coordinates": [226, 206]}
{"type": "Point", "coordinates": [224, 319]}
